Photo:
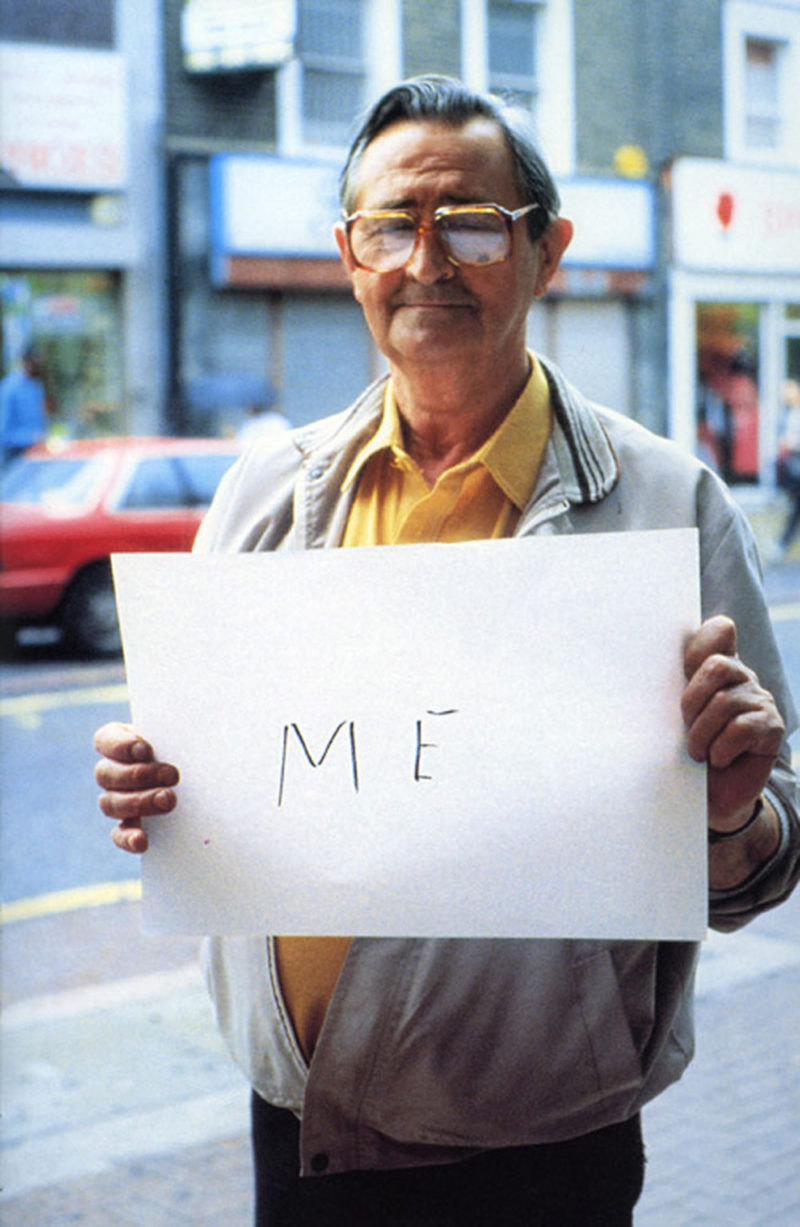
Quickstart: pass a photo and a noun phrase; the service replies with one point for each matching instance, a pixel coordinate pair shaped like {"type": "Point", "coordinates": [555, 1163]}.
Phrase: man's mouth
{"type": "Point", "coordinates": [424, 303]}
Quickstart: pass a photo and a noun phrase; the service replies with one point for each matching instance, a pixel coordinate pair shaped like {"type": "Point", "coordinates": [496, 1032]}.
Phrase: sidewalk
{"type": "Point", "coordinates": [121, 1106]}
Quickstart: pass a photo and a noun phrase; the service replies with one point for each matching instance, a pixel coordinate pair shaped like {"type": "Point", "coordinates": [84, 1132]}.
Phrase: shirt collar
{"type": "Point", "coordinates": [506, 454]}
{"type": "Point", "coordinates": [388, 436]}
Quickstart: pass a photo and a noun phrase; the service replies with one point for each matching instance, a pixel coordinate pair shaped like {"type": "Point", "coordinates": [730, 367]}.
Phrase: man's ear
{"type": "Point", "coordinates": [340, 235]}
{"type": "Point", "coordinates": [552, 245]}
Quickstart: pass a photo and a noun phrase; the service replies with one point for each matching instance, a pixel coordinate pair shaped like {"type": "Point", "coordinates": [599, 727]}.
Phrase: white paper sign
{"type": "Point", "coordinates": [441, 740]}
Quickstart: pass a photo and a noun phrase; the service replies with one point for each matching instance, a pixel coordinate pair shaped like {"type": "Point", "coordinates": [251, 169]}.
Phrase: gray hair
{"type": "Point", "coordinates": [438, 99]}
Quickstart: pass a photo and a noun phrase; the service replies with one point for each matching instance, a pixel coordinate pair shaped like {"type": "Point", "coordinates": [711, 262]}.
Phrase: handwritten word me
{"type": "Point", "coordinates": [293, 732]}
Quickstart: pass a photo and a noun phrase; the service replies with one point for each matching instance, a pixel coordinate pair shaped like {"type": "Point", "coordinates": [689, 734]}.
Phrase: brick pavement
{"type": "Point", "coordinates": [724, 1144]}
{"type": "Point", "coordinates": [198, 1186]}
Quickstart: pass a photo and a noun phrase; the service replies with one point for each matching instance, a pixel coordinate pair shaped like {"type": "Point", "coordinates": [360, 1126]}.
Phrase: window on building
{"type": "Point", "coordinates": [80, 23]}
{"type": "Point", "coordinates": [511, 36]}
{"type": "Point", "coordinates": [524, 50]}
{"type": "Point", "coordinates": [331, 48]}
{"type": "Point", "coordinates": [761, 68]}
{"type": "Point", "coordinates": [345, 53]}
{"type": "Point", "coordinates": [762, 93]}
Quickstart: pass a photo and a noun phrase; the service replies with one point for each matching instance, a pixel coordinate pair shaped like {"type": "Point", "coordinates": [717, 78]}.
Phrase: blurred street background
{"type": "Point", "coordinates": [168, 186]}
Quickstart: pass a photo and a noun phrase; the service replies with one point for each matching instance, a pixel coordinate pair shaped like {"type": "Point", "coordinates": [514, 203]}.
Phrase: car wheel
{"type": "Point", "coordinates": [8, 638]}
{"type": "Point", "coordinates": [89, 613]}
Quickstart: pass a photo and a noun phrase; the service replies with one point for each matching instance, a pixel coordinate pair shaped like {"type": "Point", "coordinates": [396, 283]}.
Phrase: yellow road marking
{"type": "Point", "coordinates": [72, 900]}
{"type": "Point", "coordinates": [28, 709]}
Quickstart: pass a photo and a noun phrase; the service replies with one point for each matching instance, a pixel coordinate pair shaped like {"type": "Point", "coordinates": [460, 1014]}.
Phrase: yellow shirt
{"type": "Point", "coordinates": [477, 499]}
{"type": "Point", "coordinates": [480, 498]}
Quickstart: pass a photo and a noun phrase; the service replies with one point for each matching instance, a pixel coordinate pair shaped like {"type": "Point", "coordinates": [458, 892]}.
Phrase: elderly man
{"type": "Point", "coordinates": [430, 1082]}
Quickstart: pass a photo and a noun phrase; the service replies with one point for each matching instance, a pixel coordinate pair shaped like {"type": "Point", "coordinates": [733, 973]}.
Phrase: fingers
{"type": "Point", "coordinates": [135, 785]}
{"type": "Point", "coordinates": [125, 805]}
{"type": "Point", "coordinates": [723, 680]}
{"type": "Point", "coordinates": [728, 712]}
{"type": "Point", "coordinates": [130, 838]}
{"type": "Point", "coordinates": [733, 723]}
{"type": "Point", "coordinates": [122, 743]}
{"type": "Point", "coordinates": [716, 636]}
{"type": "Point", "coordinates": [724, 706]}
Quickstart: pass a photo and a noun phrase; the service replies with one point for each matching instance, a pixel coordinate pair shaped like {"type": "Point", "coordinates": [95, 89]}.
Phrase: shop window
{"type": "Point", "coordinates": [789, 423]}
{"type": "Point", "coordinates": [511, 28]}
{"type": "Point", "coordinates": [728, 410]}
{"type": "Point", "coordinates": [74, 320]}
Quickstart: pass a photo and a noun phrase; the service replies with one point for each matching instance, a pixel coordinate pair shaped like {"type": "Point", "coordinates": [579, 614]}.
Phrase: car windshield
{"type": "Point", "coordinates": [176, 481]}
{"type": "Point", "coordinates": [53, 481]}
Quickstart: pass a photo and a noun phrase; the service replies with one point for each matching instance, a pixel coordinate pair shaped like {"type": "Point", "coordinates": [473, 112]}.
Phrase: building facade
{"type": "Point", "coordinates": [709, 92]}
{"type": "Point", "coordinates": [734, 261]}
{"type": "Point", "coordinates": [82, 207]}
{"type": "Point", "coordinates": [167, 202]}
{"type": "Point", "coordinates": [258, 120]}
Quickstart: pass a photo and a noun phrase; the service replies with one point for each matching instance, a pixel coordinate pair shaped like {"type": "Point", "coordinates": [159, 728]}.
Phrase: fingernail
{"type": "Point", "coordinates": [164, 799]}
{"type": "Point", "coordinates": [140, 752]}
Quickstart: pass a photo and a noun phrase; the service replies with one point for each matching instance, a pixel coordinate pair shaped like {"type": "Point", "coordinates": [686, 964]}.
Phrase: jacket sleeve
{"type": "Point", "coordinates": [776, 878]}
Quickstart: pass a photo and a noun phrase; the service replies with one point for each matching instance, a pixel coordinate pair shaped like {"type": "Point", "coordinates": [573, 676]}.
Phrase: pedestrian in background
{"type": "Point", "coordinates": [23, 407]}
{"type": "Point", "coordinates": [789, 467]}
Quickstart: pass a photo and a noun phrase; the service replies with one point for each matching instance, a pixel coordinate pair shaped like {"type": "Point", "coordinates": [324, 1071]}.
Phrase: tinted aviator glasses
{"type": "Point", "coordinates": [384, 240]}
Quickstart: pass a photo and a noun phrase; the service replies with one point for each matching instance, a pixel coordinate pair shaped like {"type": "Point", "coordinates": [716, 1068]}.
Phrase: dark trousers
{"type": "Point", "coordinates": [591, 1181]}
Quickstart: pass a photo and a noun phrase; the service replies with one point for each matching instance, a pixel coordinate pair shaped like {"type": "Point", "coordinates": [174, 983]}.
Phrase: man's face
{"type": "Point", "coordinates": [431, 311]}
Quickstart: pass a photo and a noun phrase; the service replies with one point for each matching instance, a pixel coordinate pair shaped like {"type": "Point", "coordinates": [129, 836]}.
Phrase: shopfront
{"type": "Point", "coordinates": [734, 316]}
{"type": "Point", "coordinates": [74, 320]}
{"type": "Point", "coordinates": [81, 215]}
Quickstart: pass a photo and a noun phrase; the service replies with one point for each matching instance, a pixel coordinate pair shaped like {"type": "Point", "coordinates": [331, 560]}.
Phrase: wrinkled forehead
{"type": "Point", "coordinates": [412, 155]}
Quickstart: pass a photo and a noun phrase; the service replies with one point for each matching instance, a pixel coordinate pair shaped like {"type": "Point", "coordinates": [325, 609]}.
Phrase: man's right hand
{"type": "Point", "coordinates": [135, 785]}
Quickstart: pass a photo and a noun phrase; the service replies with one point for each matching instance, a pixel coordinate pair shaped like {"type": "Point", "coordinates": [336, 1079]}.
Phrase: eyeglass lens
{"type": "Point", "coordinates": [385, 241]}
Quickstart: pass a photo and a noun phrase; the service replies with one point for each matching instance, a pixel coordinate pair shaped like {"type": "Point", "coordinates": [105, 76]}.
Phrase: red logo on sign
{"type": "Point", "coordinates": [725, 209]}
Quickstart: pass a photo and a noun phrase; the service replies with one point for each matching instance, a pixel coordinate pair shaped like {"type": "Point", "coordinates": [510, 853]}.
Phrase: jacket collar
{"type": "Point", "coordinates": [587, 465]}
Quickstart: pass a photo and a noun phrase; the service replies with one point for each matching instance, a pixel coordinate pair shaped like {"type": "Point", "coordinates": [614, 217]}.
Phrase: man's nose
{"type": "Point", "coordinates": [429, 262]}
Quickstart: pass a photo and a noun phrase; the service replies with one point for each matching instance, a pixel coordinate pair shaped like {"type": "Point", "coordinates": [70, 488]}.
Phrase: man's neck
{"type": "Point", "coordinates": [446, 416]}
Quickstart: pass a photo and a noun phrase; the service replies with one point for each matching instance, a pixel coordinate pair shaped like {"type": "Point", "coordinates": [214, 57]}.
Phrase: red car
{"type": "Point", "coordinates": [65, 509]}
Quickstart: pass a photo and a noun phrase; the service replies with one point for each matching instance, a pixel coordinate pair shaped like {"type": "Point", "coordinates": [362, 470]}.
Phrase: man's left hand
{"type": "Point", "coordinates": [734, 723]}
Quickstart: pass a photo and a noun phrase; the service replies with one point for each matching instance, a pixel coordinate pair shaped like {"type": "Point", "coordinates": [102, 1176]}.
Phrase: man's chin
{"type": "Point", "coordinates": [443, 331]}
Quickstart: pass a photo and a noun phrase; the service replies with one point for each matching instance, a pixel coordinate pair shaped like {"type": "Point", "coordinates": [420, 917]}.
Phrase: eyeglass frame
{"type": "Point", "coordinates": [510, 216]}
